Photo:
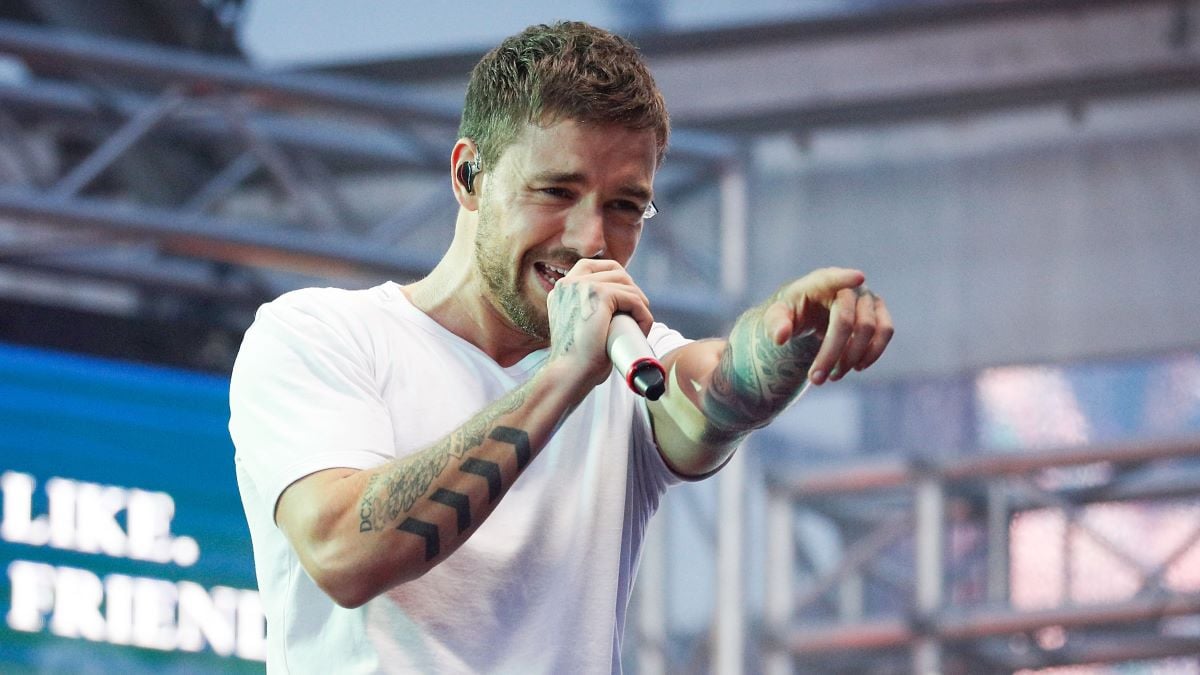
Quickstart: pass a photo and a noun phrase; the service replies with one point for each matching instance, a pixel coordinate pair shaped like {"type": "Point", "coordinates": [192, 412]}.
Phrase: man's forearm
{"type": "Point", "coordinates": [390, 496]}
{"type": "Point", "coordinates": [755, 379]}
{"type": "Point", "coordinates": [375, 529]}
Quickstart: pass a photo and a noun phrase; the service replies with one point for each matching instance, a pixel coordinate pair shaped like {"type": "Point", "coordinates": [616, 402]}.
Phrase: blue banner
{"type": "Point", "coordinates": [123, 546]}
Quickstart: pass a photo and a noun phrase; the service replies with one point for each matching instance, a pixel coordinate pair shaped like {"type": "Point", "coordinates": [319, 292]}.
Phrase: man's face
{"type": "Point", "coordinates": [558, 194]}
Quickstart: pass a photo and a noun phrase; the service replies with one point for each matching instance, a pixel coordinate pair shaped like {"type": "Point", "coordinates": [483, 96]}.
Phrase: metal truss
{"type": "Point", "coordinates": [134, 164]}
{"type": "Point", "coordinates": [939, 605]}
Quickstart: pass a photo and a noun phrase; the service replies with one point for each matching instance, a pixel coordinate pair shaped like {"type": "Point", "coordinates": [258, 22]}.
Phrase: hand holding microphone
{"type": "Point", "coordinates": [591, 281]}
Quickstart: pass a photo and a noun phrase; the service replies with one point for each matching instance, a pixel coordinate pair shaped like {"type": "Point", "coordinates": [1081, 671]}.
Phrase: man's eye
{"type": "Point", "coordinates": [628, 206]}
{"type": "Point", "coordinates": [556, 192]}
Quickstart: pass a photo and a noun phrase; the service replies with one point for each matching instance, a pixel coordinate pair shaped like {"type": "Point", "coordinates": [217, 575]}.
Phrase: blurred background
{"type": "Point", "coordinates": [1014, 488]}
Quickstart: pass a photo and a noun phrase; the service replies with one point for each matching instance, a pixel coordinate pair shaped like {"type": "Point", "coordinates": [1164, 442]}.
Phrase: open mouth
{"type": "Point", "coordinates": [549, 274]}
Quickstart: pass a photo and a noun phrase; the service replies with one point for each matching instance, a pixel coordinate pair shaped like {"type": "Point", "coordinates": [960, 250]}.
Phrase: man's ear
{"type": "Point", "coordinates": [464, 173]}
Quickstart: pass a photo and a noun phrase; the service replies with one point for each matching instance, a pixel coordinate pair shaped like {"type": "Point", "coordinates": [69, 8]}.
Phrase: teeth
{"type": "Point", "coordinates": [551, 273]}
{"type": "Point", "coordinates": [557, 270]}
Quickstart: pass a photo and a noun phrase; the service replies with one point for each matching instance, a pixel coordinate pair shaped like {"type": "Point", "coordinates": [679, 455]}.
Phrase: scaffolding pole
{"type": "Point", "coordinates": [729, 647]}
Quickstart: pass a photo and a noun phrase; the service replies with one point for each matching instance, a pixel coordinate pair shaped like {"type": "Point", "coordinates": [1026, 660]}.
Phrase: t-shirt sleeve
{"type": "Point", "coordinates": [303, 397]}
{"type": "Point", "coordinates": [651, 467]}
{"type": "Point", "coordinates": [663, 339]}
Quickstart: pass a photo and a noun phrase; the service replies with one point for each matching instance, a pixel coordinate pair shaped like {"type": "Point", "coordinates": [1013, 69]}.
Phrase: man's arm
{"type": "Point", "coordinates": [358, 533]}
{"type": "Point", "coordinates": [817, 328]}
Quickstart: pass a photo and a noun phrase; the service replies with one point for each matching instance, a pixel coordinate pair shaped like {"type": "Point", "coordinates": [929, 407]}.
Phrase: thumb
{"type": "Point", "coordinates": [778, 319]}
{"type": "Point", "coordinates": [811, 317]}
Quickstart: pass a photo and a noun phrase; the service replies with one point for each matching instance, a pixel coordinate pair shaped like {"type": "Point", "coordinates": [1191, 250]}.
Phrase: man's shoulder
{"type": "Point", "coordinates": [333, 304]}
{"type": "Point", "coordinates": [339, 313]}
{"type": "Point", "coordinates": [333, 299]}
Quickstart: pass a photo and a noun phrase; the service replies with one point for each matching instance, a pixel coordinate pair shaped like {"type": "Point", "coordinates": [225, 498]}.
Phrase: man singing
{"type": "Point", "coordinates": [449, 476]}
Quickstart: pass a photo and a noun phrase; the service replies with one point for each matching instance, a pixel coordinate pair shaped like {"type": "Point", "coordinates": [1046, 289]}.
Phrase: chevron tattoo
{"type": "Point", "coordinates": [490, 471]}
{"type": "Point", "coordinates": [457, 501]}
{"type": "Point", "coordinates": [427, 531]}
{"type": "Point", "coordinates": [518, 439]}
{"type": "Point", "coordinates": [387, 496]}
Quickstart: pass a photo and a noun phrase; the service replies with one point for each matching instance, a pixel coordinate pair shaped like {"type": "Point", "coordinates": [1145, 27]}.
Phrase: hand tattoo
{"type": "Point", "coordinates": [582, 309]}
{"type": "Point", "coordinates": [592, 303]}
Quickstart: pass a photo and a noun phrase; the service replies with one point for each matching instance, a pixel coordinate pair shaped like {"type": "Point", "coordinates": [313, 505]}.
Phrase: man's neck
{"type": "Point", "coordinates": [456, 299]}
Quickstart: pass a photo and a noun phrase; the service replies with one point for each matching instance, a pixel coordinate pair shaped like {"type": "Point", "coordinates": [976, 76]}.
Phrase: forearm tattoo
{"type": "Point", "coordinates": [390, 496]}
{"type": "Point", "coordinates": [755, 378]}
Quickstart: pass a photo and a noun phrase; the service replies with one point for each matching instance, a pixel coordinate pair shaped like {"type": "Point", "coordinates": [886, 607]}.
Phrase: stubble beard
{"type": "Point", "coordinates": [505, 282]}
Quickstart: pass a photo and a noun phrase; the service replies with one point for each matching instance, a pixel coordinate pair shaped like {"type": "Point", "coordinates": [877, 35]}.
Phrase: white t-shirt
{"type": "Point", "coordinates": [331, 378]}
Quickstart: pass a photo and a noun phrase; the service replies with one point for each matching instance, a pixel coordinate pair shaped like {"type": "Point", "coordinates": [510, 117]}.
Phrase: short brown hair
{"type": "Point", "coordinates": [570, 70]}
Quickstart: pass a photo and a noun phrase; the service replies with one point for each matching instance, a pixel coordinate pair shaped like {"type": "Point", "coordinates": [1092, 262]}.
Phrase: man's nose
{"type": "Point", "coordinates": [585, 231]}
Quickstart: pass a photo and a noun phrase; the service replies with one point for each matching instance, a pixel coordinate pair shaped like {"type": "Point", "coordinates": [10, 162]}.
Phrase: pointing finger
{"type": "Point", "coordinates": [825, 283]}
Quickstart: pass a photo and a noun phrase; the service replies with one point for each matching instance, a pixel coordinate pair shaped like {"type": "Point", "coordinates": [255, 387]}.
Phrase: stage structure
{"type": "Point", "coordinates": [150, 182]}
{"type": "Point", "coordinates": [957, 614]}
{"type": "Point", "coordinates": [176, 175]}
{"type": "Point", "coordinates": [1051, 518]}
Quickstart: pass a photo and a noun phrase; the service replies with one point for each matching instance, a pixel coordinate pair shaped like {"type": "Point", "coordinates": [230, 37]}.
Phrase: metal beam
{"type": "Point", "coordinates": [859, 26]}
{"type": "Point", "coordinates": [1071, 52]}
{"type": "Point", "coordinates": [148, 278]}
{"type": "Point", "coordinates": [1176, 483]}
{"type": "Point", "coordinates": [1086, 649]}
{"type": "Point", "coordinates": [779, 575]}
{"type": "Point", "coordinates": [891, 472]}
{"type": "Point", "coordinates": [816, 639]}
{"type": "Point", "coordinates": [58, 51]}
{"type": "Point", "coordinates": [359, 143]}
{"type": "Point", "coordinates": [929, 515]}
{"type": "Point", "coordinates": [981, 623]}
{"type": "Point", "coordinates": [198, 236]}
{"type": "Point", "coordinates": [949, 102]}
{"type": "Point", "coordinates": [825, 638]}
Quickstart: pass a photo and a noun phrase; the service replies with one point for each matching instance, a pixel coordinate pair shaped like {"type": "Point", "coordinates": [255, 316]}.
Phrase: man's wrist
{"type": "Point", "coordinates": [558, 378]}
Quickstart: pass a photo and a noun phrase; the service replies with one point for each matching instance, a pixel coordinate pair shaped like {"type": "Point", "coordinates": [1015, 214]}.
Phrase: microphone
{"type": "Point", "coordinates": [631, 356]}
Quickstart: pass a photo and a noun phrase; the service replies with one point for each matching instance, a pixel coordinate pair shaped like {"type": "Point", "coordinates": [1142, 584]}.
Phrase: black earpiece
{"type": "Point", "coordinates": [466, 175]}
